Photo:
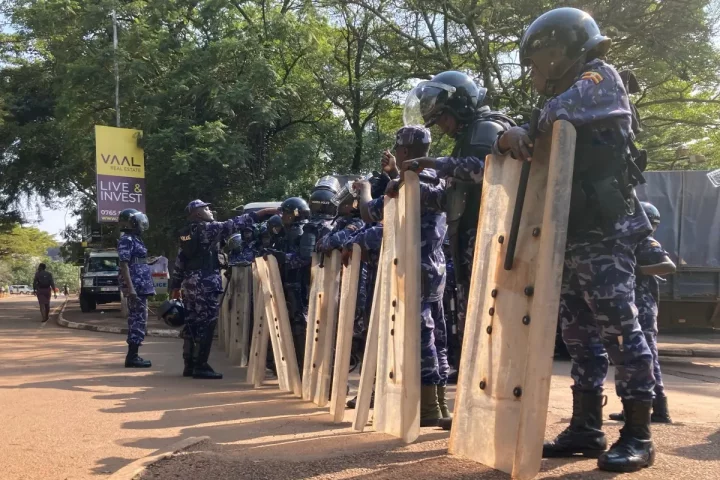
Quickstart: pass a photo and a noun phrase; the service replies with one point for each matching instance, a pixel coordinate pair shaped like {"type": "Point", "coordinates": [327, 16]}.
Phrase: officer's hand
{"type": "Point", "coordinates": [417, 165]}
{"type": "Point", "coordinates": [132, 295]}
{"type": "Point", "coordinates": [389, 164]}
{"type": "Point", "coordinates": [393, 188]}
{"type": "Point", "coordinates": [516, 140]}
{"type": "Point", "coordinates": [175, 295]}
{"type": "Point", "coordinates": [267, 212]}
{"type": "Point", "coordinates": [362, 186]}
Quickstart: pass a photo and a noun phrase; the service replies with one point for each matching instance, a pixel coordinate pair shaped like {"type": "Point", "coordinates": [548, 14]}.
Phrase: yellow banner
{"type": "Point", "coordinates": [117, 153]}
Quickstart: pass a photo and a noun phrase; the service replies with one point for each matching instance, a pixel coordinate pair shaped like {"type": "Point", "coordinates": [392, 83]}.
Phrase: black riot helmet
{"type": "Point", "coordinates": [558, 40]}
{"type": "Point", "coordinates": [294, 209]}
{"type": "Point", "coordinates": [652, 213]}
{"type": "Point", "coordinates": [133, 221]}
{"type": "Point", "coordinates": [322, 193]}
{"type": "Point", "coordinates": [451, 91]}
{"type": "Point", "coordinates": [235, 243]}
{"type": "Point", "coordinates": [275, 225]}
{"type": "Point", "coordinates": [172, 313]}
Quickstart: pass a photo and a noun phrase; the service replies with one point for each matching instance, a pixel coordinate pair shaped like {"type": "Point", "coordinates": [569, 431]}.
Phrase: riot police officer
{"type": "Point", "coordinates": [564, 50]}
{"type": "Point", "coordinates": [197, 271]}
{"type": "Point", "coordinates": [454, 102]}
{"type": "Point", "coordinates": [296, 259]}
{"type": "Point", "coordinates": [135, 281]}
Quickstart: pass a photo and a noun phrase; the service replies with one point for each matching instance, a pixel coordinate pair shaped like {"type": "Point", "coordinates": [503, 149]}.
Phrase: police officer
{"type": "Point", "coordinates": [197, 271]}
{"type": "Point", "coordinates": [296, 258]}
{"type": "Point", "coordinates": [322, 208]}
{"type": "Point", "coordinates": [135, 280]}
{"type": "Point", "coordinates": [453, 102]}
{"type": "Point", "coordinates": [652, 261]}
{"type": "Point", "coordinates": [241, 247]}
{"type": "Point", "coordinates": [564, 49]}
{"type": "Point", "coordinates": [414, 142]}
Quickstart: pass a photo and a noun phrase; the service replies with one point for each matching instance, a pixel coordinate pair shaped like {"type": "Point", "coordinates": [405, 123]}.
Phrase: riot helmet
{"type": "Point", "coordinates": [275, 225]}
{"type": "Point", "coordinates": [248, 233]}
{"type": "Point", "coordinates": [294, 209]}
{"type": "Point", "coordinates": [652, 213]}
{"type": "Point", "coordinates": [265, 236]}
{"type": "Point", "coordinates": [321, 203]}
{"type": "Point", "coordinates": [172, 313]}
{"type": "Point", "coordinates": [558, 40]}
{"type": "Point", "coordinates": [235, 243]}
{"type": "Point", "coordinates": [328, 182]}
{"type": "Point", "coordinates": [133, 221]}
{"type": "Point", "coordinates": [451, 91]}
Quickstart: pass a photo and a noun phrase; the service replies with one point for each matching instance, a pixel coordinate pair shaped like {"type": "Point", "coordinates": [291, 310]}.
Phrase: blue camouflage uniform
{"type": "Point", "coordinates": [246, 254]}
{"type": "Point", "coordinates": [433, 351]}
{"type": "Point", "coordinates": [201, 287]}
{"type": "Point", "coordinates": [370, 240]}
{"type": "Point", "coordinates": [296, 279]}
{"type": "Point", "coordinates": [597, 305]}
{"type": "Point", "coordinates": [647, 298]}
{"type": "Point", "coordinates": [132, 250]}
{"type": "Point", "coordinates": [342, 233]}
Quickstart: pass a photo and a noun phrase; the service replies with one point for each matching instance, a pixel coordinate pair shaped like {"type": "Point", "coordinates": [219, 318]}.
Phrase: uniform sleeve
{"type": "Point", "coordinates": [337, 240]}
{"type": "Point", "coordinates": [433, 196]}
{"type": "Point", "coordinates": [124, 248]}
{"type": "Point", "coordinates": [376, 208]}
{"type": "Point", "coordinates": [179, 271]}
{"type": "Point", "coordinates": [596, 95]}
{"type": "Point", "coordinates": [224, 230]}
{"type": "Point", "coordinates": [650, 252]}
{"type": "Point", "coordinates": [369, 238]}
{"type": "Point", "coordinates": [465, 168]}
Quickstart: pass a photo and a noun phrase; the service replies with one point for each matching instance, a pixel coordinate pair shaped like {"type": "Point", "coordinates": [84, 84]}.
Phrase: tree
{"type": "Point", "coordinates": [25, 241]}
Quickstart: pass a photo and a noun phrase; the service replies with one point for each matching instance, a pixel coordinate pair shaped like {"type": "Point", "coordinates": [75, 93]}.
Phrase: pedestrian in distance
{"type": "Point", "coordinates": [43, 288]}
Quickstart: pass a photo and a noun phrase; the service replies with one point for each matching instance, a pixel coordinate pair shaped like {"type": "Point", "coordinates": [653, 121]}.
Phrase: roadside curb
{"type": "Point", "coordinates": [136, 468]}
{"type": "Point", "coordinates": [151, 332]}
{"type": "Point", "coordinates": [687, 352]}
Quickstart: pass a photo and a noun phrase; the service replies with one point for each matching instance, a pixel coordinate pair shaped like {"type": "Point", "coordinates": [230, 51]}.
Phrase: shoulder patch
{"type": "Point", "coordinates": [595, 77]}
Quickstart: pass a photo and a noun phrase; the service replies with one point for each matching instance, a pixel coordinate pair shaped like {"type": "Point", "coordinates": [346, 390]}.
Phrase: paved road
{"type": "Point", "coordinates": [69, 410]}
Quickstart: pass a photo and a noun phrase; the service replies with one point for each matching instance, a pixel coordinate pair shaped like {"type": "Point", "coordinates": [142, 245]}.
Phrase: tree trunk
{"type": "Point", "coordinates": [357, 156]}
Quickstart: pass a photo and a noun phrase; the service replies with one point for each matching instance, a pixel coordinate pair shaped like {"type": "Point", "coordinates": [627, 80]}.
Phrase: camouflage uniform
{"type": "Point", "coordinates": [131, 249]}
{"type": "Point", "coordinates": [434, 365]}
{"type": "Point", "coordinates": [370, 240]}
{"type": "Point", "coordinates": [597, 300]}
{"type": "Point", "coordinates": [647, 297]}
{"type": "Point", "coordinates": [202, 287]}
{"type": "Point", "coordinates": [245, 255]}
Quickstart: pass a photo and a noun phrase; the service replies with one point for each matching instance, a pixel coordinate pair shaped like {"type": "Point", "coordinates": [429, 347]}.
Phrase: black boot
{"type": "Point", "coordinates": [201, 368]}
{"type": "Point", "coordinates": [634, 450]}
{"type": "Point", "coordinates": [446, 422]}
{"type": "Point", "coordinates": [352, 403]}
{"type": "Point", "coordinates": [620, 417]}
{"type": "Point", "coordinates": [660, 413]}
{"type": "Point", "coordinates": [584, 436]}
{"type": "Point", "coordinates": [132, 360]}
{"type": "Point", "coordinates": [188, 356]}
{"type": "Point", "coordinates": [430, 412]}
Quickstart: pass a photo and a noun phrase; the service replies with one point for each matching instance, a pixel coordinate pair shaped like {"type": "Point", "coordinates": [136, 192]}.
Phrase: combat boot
{"type": "Point", "coordinates": [201, 368]}
{"type": "Point", "coordinates": [132, 360]}
{"type": "Point", "coordinates": [660, 412]}
{"type": "Point", "coordinates": [584, 436]}
{"type": "Point", "coordinates": [634, 450]}
{"type": "Point", "coordinates": [430, 412]}
{"type": "Point", "coordinates": [442, 401]}
{"type": "Point", "coordinates": [188, 356]}
{"type": "Point", "coordinates": [352, 403]}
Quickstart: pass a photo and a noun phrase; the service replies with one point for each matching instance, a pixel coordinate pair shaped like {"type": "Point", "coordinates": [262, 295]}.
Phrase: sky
{"type": "Point", "coordinates": [53, 220]}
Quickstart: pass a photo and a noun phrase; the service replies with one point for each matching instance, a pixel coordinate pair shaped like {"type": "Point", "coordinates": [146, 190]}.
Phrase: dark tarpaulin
{"type": "Point", "coordinates": [690, 210]}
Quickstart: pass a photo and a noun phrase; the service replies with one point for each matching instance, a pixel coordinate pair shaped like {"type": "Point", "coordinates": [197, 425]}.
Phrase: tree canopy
{"type": "Point", "coordinates": [254, 100]}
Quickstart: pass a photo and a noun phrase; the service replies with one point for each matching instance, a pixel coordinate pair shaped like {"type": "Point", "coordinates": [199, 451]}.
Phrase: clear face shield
{"type": "Point", "coordinates": [347, 191]}
{"type": "Point", "coordinates": [142, 222]}
{"type": "Point", "coordinates": [329, 182]}
{"type": "Point", "coordinates": [425, 103]}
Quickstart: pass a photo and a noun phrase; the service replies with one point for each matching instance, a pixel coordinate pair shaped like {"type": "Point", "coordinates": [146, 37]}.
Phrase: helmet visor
{"type": "Point", "coordinates": [425, 103]}
{"type": "Point", "coordinates": [142, 222]}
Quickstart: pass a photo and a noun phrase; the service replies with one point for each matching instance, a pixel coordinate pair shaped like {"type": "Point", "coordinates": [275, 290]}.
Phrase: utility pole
{"type": "Point", "coordinates": [117, 70]}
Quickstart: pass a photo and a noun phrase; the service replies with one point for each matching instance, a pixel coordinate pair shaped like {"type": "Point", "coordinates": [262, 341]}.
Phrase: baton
{"type": "Point", "coordinates": [520, 198]}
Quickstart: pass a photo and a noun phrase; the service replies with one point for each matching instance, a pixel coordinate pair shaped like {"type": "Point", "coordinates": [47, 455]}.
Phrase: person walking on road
{"type": "Point", "coordinates": [135, 281]}
{"type": "Point", "coordinates": [43, 288]}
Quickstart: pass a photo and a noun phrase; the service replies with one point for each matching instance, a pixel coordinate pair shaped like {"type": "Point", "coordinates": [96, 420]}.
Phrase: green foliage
{"type": "Point", "coordinates": [255, 100]}
{"type": "Point", "coordinates": [28, 241]}
{"type": "Point", "coordinates": [20, 270]}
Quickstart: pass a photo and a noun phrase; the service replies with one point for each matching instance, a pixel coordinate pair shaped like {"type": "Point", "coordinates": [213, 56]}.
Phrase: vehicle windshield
{"type": "Point", "coordinates": [103, 264]}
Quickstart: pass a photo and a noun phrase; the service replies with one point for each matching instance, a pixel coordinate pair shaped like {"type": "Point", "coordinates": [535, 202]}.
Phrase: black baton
{"type": "Point", "coordinates": [520, 198]}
